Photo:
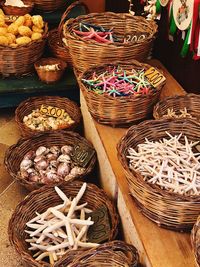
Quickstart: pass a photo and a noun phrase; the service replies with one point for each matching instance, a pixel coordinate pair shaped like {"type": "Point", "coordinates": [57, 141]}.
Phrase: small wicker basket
{"type": "Point", "coordinates": [123, 110]}
{"type": "Point", "coordinates": [50, 75]}
{"type": "Point", "coordinates": [87, 53]}
{"type": "Point", "coordinates": [18, 11]}
{"type": "Point", "coordinates": [33, 103]}
{"type": "Point", "coordinates": [195, 240]}
{"type": "Point", "coordinates": [49, 5]}
{"type": "Point", "coordinates": [54, 41]}
{"type": "Point", "coordinates": [40, 200]}
{"type": "Point", "coordinates": [169, 210]}
{"type": "Point", "coordinates": [115, 253]}
{"type": "Point", "coordinates": [189, 101]}
{"type": "Point", "coordinates": [18, 61]}
{"type": "Point", "coordinates": [15, 154]}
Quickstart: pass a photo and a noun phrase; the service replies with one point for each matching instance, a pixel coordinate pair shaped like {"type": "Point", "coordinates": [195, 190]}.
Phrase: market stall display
{"type": "Point", "coordinates": [109, 87]}
{"type": "Point", "coordinates": [178, 107]}
{"type": "Point", "coordinates": [47, 113]}
{"type": "Point", "coordinates": [161, 178]}
{"type": "Point", "coordinates": [86, 53]}
{"type": "Point", "coordinates": [49, 159]}
{"type": "Point", "coordinates": [21, 44]}
{"type": "Point", "coordinates": [43, 199]}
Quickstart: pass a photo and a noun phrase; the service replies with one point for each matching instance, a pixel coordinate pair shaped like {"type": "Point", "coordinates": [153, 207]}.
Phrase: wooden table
{"type": "Point", "coordinates": [157, 247]}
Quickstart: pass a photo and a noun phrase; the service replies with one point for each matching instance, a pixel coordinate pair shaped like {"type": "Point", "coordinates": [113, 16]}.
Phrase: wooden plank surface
{"type": "Point", "coordinates": [158, 247]}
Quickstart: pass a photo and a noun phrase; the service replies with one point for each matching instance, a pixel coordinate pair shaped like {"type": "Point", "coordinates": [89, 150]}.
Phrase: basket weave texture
{"type": "Point", "coordinates": [87, 53]}
{"type": "Point", "coordinates": [40, 200]}
{"type": "Point", "coordinates": [15, 154]}
{"type": "Point", "coordinates": [115, 253]}
{"type": "Point", "coordinates": [48, 5]}
{"type": "Point", "coordinates": [26, 107]}
{"type": "Point", "coordinates": [123, 110]}
{"type": "Point", "coordinates": [20, 60]}
{"type": "Point", "coordinates": [189, 101]}
{"type": "Point", "coordinates": [195, 240]}
{"type": "Point", "coordinates": [169, 210]}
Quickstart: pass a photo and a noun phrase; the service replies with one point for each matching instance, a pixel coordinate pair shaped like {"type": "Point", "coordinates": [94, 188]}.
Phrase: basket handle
{"type": "Point", "coordinates": [66, 13]}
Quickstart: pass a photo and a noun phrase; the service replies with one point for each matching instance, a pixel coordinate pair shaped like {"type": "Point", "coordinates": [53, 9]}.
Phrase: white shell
{"type": "Point", "coordinates": [66, 149]}
{"type": "Point", "coordinates": [42, 150]}
{"type": "Point", "coordinates": [64, 158]}
{"type": "Point", "coordinates": [26, 164]}
{"type": "Point", "coordinates": [63, 169]}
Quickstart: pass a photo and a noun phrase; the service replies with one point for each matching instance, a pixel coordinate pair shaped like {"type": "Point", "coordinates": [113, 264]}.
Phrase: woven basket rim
{"type": "Point", "coordinates": [193, 238]}
{"type": "Point", "coordinates": [44, 36]}
{"type": "Point", "coordinates": [67, 34]}
{"type": "Point", "coordinates": [113, 216]}
{"type": "Point", "coordinates": [139, 178]}
{"type": "Point", "coordinates": [106, 96]}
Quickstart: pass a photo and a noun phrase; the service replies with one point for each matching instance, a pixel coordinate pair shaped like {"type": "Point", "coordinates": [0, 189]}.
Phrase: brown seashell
{"type": "Point", "coordinates": [41, 165]}
{"type": "Point", "coordinates": [66, 150]}
{"type": "Point", "coordinates": [63, 169]}
{"type": "Point", "coordinates": [30, 155]}
{"type": "Point", "coordinates": [26, 164]}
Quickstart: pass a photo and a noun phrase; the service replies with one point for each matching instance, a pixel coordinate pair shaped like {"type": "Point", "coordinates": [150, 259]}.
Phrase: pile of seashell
{"type": "Point", "coordinates": [47, 165]}
{"type": "Point", "coordinates": [42, 122]}
{"type": "Point", "coordinates": [60, 228]}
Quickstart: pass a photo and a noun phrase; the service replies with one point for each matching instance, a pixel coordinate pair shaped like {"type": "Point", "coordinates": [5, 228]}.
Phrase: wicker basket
{"type": "Point", "coordinates": [119, 111]}
{"type": "Point", "coordinates": [115, 253]}
{"type": "Point", "coordinates": [20, 60]}
{"type": "Point", "coordinates": [46, 197]}
{"type": "Point", "coordinates": [50, 76]}
{"type": "Point", "coordinates": [32, 103]}
{"type": "Point", "coordinates": [15, 154]}
{"type": "Point", "coordinates": [195, 240]}
{"type": "Point", "coordinates": [49, 5]}
{"type": "Point", "coordinates": [87, 53]}
{"type": "Point", "coordinates": [18, 11]}
{"type": "Point", "coordinates": [54, 41]}
{"type": "Point", "coordinates": [169, 210]}
{"type": "Point", "coordinates": [189, 101]}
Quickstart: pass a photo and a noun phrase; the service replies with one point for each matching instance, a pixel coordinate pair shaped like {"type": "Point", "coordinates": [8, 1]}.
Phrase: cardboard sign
{"type": "Point", "coordinates": [82, 154]}
{"type": "Point", "coordinates": [154, 77]}
{"type": "Point", "coordinates": [52, 111]}
{"type": "Point", "coordinates": [99, 231]}
{"type": "Point", "coordinates": [135, 37]}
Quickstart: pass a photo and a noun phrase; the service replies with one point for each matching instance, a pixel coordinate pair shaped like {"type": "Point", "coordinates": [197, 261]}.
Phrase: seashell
{"type": "Point", "coordinates": [77, 171]}
{"type": "Point", "coordinates": [53, 163]}
{"type": "Point", "coordinates": [41, 165]}
{"type": "Point", "coordinates": [55, 150]}
{"type": "Point", "coordinates": [39, 158]}
{"type": "Point", "coordinates": [66, 150]}
{"type": "Point", "coordinates": [51, 156]}
{"type": "Point", "coordinates": [30, 155]}
{"type": "Point", "coordinates": [26, 164]}
{"type": "Point", "coordinates": [42, 150]}
{"type": "Point", "coordinates": [63, 169]}
{"type": "Point", "coordinates": [24, 174]}
{"type": "Point", "coordinates": [31, 170]}
{"type": "Point", "coordinates": [34, 178]}
{"type": "Point", "coordinates": [64, 158]}
{"type": "Point", "coordinates": [50, 177]}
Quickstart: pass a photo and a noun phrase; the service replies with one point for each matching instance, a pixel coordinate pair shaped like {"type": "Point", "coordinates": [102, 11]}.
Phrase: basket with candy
{"type": "Point", "coordinates": [119, 94]}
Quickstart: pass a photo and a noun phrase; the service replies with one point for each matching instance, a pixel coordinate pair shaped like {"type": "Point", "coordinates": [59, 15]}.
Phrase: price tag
{"type": "Point", "coordinates": [52, 111]}
{"type": "Point", "coordinates": [154, 77]}
{"type": "Point", "coordinates": [100, 230]}
{"type": "Point", "coordinates": [11, 18]}
{"type": "Point", "coordinates": [82, 154]}
{"type": "Point", "coordinates": [135, 37]}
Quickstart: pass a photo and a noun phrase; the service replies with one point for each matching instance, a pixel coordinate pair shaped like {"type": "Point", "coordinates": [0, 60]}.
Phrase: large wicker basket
{"type": "Point", "coordinates": [87, 53]}
{"type": "Point", "coordinates": [195, 240]}
{"type": "Point", "coordinates": [33, 103]}
{"type": "Point", "coordinates": [40, 200]}
{"type": "Point", "coordinates": [189, 101]}
{"type": "Point", "coordinates": [115, 253]}
{"type": "Point", "coordinates": [17, 61]}
{"type": "Point", "coordinates": [55, 43]}
{"type": "Point", "coordinates": [49, 5]}
{"type": "Point", "coordinates": [123, 110]}
{"type": "Point", "coordinates": [169, 210]}
{"type": "Point", "coordinates": [15, 154]}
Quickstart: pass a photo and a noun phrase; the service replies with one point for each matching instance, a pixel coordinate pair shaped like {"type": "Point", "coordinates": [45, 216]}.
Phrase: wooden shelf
{"type": "Point", "coordinates": [157, 247]}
